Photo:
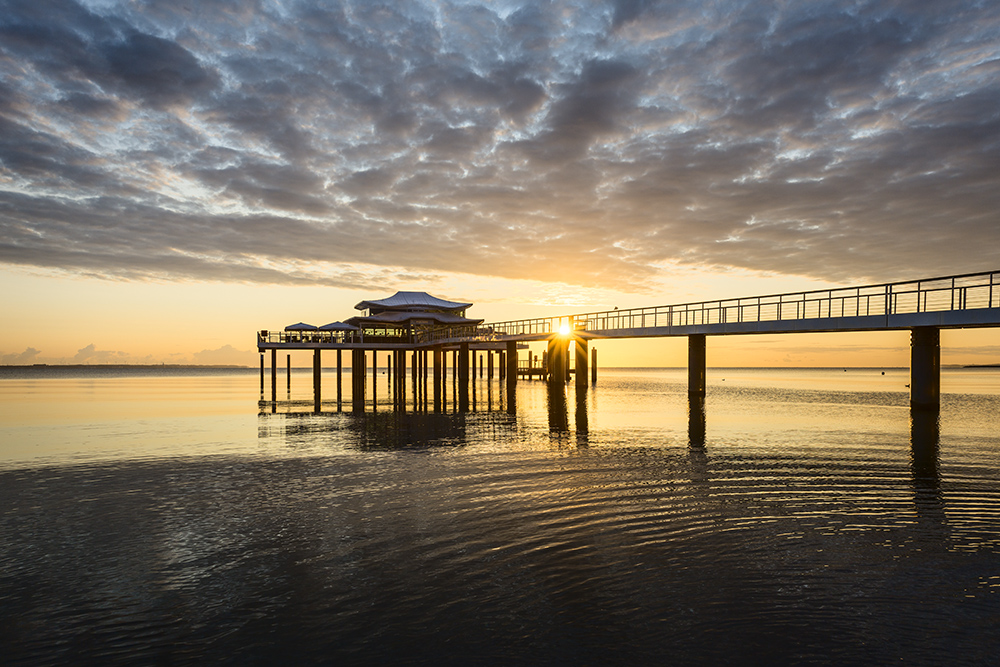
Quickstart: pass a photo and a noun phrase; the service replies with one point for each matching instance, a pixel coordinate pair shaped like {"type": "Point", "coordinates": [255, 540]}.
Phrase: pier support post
{"type": "Point", "coordinates": [262, 376]}
{"type": "Point", "coordinates": [553, 367]}
{"type": "Point", "coordinates": [437, 379]}
{"type": "Point", "coordinates": [274, 376]}
{"type": "Point", "coordinates": [581, 363]}
{"type": "Point", "coordinates": [444, 379]}
{"type": "Point", "coordinates": [593, 365]}
{"type": "Point", "coordinates": [316, 381]}
{"type": "Point", "coordinates": [399, 394]}
{"type": "Point", "coordinates": [564, 349]}
{"type": "Point", "coordinates": [358, 380]}
{"type": "Point", "coordinates": [511, 358]}
{"type": "Point", "coordinates": [288, 371]}
{"type": "Point", "coordinates": [696, 364]}
{"type": "Point", "coordinates": [374, 380]}
{"type": "Point", "coordinates": [925, 368]}
{"type": "Point", "coordinates": [340, 379]}
{"type": "Point", "coordinates": [463, 377]}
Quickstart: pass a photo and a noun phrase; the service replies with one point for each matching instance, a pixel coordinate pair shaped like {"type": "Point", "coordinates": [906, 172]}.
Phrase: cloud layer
{"type": "Point", "coordinates": [586, 142]}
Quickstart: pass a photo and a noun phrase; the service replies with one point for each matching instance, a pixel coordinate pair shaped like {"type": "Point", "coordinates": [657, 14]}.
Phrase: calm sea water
{"type": "Point", "coordinates": [802, 517]}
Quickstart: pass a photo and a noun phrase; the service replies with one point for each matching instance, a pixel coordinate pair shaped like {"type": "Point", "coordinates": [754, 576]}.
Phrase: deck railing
{"type": "Point", "coordinates": [950, 293]}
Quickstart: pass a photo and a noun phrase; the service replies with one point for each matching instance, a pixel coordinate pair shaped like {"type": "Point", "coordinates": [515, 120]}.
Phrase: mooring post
{"type": "Point", "coordinates": [696, 364]}
{"type": "Point", "coordinates": [340, 379]}
{"type": "Point", "coordinates": [925, 368]}
{"type": "Point", "coordinates": [316, 381]}
{"type": "Point", "coordinates": [581, 363]}
{"type": "Point", "coordinates": [593, 365]}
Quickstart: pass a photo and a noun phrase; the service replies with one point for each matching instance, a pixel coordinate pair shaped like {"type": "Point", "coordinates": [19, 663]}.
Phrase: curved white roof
{"type": "Point", "coordinates": [402, 300]}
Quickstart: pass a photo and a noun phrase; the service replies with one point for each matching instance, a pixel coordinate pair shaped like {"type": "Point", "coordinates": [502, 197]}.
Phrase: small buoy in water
{"type": "Point", "coordinates": [883, 372]}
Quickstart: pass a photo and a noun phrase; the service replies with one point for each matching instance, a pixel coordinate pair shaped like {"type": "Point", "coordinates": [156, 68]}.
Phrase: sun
{"type": "Point", "coordinates": [564, 330]}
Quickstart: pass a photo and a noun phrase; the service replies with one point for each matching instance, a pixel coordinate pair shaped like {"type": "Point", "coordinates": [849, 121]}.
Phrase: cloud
{"type": "Point", "coordinates": [583, 142]}
{"type": "Point", "coordinates": [226, 355]}
{"type": "Point", "coordinates": [26, 357]}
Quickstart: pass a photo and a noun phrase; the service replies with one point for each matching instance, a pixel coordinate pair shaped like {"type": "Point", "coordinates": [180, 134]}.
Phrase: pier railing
{"type": "Point", "coordinates": [950, 293]}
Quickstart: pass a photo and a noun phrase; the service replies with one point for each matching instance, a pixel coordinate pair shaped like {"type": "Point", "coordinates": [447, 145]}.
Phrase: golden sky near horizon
{"type": "Point", "coordinates": [174, 178]}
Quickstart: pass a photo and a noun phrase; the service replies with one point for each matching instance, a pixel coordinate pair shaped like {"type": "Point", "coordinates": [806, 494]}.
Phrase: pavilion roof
{"type": "Point", "coordinates": [402, 317]}
{"type": "Point", "coordinates": [412, 300]}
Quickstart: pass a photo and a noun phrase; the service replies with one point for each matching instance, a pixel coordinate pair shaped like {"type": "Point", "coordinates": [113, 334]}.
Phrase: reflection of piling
{"type": "Point", "coordinates": [925, 432]}
{"type": "Point", "coordinates": [925, 435]}
{"type": "Point", "coordinates": [696, 419]}
{"type": "Point", "coordinates": [558, 415]}
{"type": "Point", "coordinates": [582, 423]}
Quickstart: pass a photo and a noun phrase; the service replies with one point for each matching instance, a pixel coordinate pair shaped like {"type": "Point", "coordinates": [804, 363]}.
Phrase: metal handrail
{"type": "Point", "coordinates": [949, 293]}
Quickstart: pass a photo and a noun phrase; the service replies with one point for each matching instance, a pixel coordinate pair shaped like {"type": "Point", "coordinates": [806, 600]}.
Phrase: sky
{"type": "Point", "coordinates": [175, 176]}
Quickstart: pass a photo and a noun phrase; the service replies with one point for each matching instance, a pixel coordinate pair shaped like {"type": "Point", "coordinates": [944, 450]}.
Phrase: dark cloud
{"type": "Point", "coordinates": [583, 142]}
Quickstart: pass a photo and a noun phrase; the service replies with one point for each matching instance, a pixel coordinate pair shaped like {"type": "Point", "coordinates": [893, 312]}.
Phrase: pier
{"type": "Point", "coordinates": [422, 330]}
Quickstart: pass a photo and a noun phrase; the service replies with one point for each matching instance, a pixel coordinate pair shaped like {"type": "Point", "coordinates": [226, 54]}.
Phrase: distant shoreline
{"type": "Point", "coordinates": [115, 366]}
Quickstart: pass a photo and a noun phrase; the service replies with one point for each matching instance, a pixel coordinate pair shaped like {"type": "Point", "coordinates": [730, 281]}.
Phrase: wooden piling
{"type": "Point", "coordinates": [925, 368]}
{"type": "Point", "coordinates": [274, 375]}
{"type": "Point", "coordinates": [696, 364]}
{"type": "Point", "coordinates": [593, 365]}
{"type": "Point", "coordinates": [580, 348]}
{"type": "Point", "coordinates": [463, 377]}
{"type": "Point", "coordinates": [340, 379]}
{"type": "Point", "coordinates": [374, 379]}
{"type": "Point", "coordinates": [317, 393]}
